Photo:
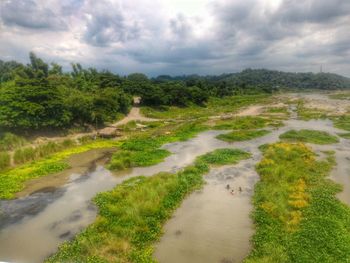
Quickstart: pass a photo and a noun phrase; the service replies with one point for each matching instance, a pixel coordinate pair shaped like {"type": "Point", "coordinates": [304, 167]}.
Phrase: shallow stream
{"type": "Point", "coordinates": [211, 225]}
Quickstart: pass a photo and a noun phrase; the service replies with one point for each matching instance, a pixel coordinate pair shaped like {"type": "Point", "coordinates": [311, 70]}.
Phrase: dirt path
{"type": "Point", "coordinates": [134, 115]}
{"type": "Point", "coordinates": [251, 111]}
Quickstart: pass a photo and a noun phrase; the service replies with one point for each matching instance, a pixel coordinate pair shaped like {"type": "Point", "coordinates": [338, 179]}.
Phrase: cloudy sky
{"type": "Point", "coordinates": [180, 36]}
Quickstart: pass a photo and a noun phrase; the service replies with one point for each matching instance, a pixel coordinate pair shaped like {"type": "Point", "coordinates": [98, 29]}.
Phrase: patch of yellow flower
{"type": "Point", "coordinates": [298, 200]}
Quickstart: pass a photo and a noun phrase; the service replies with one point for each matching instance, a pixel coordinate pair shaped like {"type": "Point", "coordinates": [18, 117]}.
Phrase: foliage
{"type": "Point", "coordinates": [242, 135]}
{"type": "Point", "coordinates": [39, 95]}
{"type": "Point", "coordinates": [311, 136]}
{"type": "Point", "coordinates": [297, 215]}
{"type": "Point", "coordinates": [173, 93]}
{"type": "Point", "coordinates": [131, 216]}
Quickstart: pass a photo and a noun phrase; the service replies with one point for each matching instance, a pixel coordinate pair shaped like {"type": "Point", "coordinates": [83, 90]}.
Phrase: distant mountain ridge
{"type": "Point", "coordinates": [272, 79]}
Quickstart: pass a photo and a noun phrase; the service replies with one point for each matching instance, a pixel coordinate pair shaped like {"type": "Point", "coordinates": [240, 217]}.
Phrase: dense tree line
{"type": "Point", "coordinates": [253, 80]}
{"type": "Point", "coordinates": [39, 95]}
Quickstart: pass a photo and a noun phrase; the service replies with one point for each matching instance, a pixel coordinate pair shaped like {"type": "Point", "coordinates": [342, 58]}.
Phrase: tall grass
{"type": "Point", "coordinates": [297, 215]}
{"type": "Point", "coordinates": [12, 181]}
{"type": "Point", "coordinates": [131, 216]}
{"type": "Point", "coordinates": [27, 154]}
{"type": "Point", "coordinates": [10, 141]}
{"type": "Point", "coordinates": [4, 160]}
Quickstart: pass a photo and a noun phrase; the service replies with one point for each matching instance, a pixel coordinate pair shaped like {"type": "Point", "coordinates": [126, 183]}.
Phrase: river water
{"type": "Point", "coordinates": [211, 225]}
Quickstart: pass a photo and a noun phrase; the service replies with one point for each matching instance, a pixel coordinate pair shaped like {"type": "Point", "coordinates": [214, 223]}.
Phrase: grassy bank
{"type": "Point", "coordinates": [242, 135]}
{"type": "Point", "coordinates": [310, 136]}
{"type": "Point", "coordinates": [144, 149]}
{"type": "Point", "coordinates": [131, 216]}
{"type": "Point", "coordinates": [13, 180]}
{"type": "Point", "coordinates": [297, 215]}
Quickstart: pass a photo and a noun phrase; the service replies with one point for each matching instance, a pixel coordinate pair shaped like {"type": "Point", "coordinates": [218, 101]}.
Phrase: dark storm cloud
{"type": "Point", "coordinates": [174, 54]}
{"type": "Point", "coordinates": [27, 14]}
{"type": "Point", "coordinates": [313, 11]}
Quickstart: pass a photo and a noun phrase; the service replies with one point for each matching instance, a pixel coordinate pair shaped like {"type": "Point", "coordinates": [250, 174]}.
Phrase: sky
{"type": "Point", "coordinates": [178, 37]}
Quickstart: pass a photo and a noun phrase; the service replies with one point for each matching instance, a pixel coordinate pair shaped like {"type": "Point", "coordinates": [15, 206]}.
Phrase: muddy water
{"type": "Point", "coordinates": [51, 211]}
{"type": "Point", "coordinates": [212, 225]}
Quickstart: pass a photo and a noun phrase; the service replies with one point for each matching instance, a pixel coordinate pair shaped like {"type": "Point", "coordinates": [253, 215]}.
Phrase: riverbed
{"type": "Point", "coordinates": [211, 225]}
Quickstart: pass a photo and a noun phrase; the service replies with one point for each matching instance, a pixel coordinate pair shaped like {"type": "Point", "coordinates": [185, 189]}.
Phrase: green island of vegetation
{"type": "Point", "coordinates": [297, 215]}
{"type": "Point", "coordinates": [143, 150]}
{"type": "Point", "coordinates": [342, 122]}
{"type": "Point", "coordinates": [242, 135]}
{"type": "Point", "coordinates": [345, 135]}
{"type": "Point", "coordinates": [131, 216]}
{"type": "Point", "coordinates": [310, 136]}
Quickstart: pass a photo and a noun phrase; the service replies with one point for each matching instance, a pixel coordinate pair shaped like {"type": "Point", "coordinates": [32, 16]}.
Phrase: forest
{"type": "Point", "coordinates": [41, 95]}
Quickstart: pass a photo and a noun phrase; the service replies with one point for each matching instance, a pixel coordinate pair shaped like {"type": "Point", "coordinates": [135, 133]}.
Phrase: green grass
{"type": "Point", "coordinates": [12, 181]}
{"type": "Point", "coordinates": [297, 216]}
{"type": "Point", "coordinates": [131, 216]}
{"type": "Point", "coordinates": [143, 150]}
{"type": "Point", "coordinates": [342, 122]}
{"type": "Point", "coordinates": [310, 136]}
{"type": "Point", "coordinates": [242, 135]}
{"type": "Point", "coordinates": [215, 106]}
